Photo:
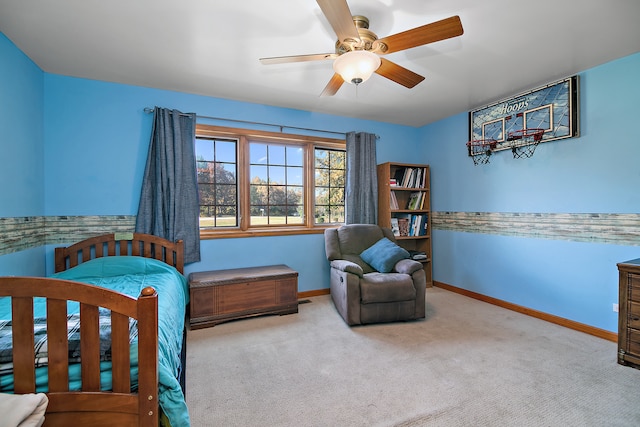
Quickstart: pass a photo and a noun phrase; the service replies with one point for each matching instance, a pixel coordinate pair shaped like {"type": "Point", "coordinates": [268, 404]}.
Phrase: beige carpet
{"type": "Point", "coordinates": [468, 363]}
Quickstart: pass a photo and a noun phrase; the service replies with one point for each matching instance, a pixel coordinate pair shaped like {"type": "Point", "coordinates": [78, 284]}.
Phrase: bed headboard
{"type": "Point", "coordinates": [121, 244]}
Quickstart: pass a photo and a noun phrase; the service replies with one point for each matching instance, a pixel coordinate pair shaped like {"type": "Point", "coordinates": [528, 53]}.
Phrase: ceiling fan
{"type": "Point", "coordinates": [358, 50]}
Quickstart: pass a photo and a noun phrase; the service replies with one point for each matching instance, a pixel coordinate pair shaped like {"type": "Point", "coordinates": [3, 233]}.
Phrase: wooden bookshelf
{"type": "Point", "coordinates": [398, 202]}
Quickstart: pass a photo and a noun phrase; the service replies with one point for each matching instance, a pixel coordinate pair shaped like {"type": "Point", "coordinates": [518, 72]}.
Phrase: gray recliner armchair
{"type": "Point", "coordinates": [364, 295]}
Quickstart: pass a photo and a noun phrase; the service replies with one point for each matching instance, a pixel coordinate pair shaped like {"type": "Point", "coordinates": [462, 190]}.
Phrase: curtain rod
{"type": "Point", "coordinates": [282, 127]}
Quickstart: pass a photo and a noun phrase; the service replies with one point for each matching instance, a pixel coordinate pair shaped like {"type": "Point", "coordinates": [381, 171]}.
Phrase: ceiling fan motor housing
{"type": "Point", "coordinates": [368, 39]}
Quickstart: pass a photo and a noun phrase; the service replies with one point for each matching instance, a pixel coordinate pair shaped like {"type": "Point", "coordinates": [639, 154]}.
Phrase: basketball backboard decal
{"type": "Point", "coordinates": [552, 108]}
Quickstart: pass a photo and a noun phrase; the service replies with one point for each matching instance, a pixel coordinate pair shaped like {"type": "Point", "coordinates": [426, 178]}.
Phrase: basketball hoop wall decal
{"type": "Point", "coordinates": [522, 122]}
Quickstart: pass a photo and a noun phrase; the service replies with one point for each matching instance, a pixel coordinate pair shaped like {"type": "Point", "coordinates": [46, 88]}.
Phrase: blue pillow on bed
{"type": "Point", "coordinates": [383, 255]}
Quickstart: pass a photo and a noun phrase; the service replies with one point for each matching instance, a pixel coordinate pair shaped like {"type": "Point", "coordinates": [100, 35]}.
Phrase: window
{"type": "Point", "coordinates": [256, 182]}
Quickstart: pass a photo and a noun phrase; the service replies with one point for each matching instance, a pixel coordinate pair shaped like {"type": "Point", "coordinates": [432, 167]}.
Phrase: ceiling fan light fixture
{"type": "Point", "coordinates": [356, 66]}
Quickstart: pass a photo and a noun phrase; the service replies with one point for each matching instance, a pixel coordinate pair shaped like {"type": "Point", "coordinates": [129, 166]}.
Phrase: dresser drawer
{"type": "Point", "coordinates": [634, 315]}
{"type": "Point", "coordinates": [634, 287]}
{"type": "Point", "coordinates": [634, 342]}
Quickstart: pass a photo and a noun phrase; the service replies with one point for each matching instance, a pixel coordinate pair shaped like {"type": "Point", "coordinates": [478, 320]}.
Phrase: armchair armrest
{"type": "Point", "coordinates": [347, 266]}
{"type": "Point", "coordinates": [407, 266]}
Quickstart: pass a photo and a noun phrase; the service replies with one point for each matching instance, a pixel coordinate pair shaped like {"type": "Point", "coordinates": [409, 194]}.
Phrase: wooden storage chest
{"type": "Point", "coordinates": [629, 313]}
{"type": "Point", "coordinates": [223, 295]}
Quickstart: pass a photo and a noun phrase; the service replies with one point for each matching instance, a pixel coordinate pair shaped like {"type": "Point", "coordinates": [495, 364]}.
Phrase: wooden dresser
{"type": "Point", "coordinates": [629, 314]}
{"type": "Point", "coordinates": [222, 295]}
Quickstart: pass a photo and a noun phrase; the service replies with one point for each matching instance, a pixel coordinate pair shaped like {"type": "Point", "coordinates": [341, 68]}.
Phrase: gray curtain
{"type": "Point", "coordinates": [361, 202]}
{"type": "Point", "coordinates": [169, 205]}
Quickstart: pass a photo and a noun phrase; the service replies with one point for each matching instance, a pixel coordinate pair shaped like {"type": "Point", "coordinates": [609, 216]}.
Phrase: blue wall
{"type": "Point", "coordinates": [21, 149]}
{"type": "Point", "coordinates": [77, 147]}
{"type": "Point", "coordinates": [595, 173]}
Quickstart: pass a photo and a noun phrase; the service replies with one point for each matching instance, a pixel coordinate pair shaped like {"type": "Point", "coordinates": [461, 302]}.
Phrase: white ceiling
{"type": "Point", "coordinates": [212, 48]}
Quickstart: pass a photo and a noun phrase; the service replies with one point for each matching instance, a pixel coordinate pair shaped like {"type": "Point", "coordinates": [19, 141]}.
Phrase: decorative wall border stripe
{"type": "Point", "coordinates": [615, 229]}
{"type": "Point", "coordinates": [70, 229]}
{"type": "Point", "coordinates": [18, 234]}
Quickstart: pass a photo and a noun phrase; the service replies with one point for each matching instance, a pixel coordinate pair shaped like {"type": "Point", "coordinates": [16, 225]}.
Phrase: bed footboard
{"type": "Point", "coordinates": [90, 405]}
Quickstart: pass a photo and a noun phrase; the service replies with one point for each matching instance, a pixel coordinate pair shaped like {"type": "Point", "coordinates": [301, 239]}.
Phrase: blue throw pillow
{"type": "Point", "coordinates": [383, 255]}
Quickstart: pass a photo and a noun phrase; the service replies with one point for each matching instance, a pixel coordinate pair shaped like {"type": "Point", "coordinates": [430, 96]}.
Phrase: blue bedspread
{"type": "Point", "coordinates": [129, 275]}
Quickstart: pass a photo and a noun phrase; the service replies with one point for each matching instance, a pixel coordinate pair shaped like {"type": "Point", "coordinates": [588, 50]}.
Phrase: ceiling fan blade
{"type": "Point", "coordinates": [398, 74]}
{"type": "Point", "coordinates": [339, 16]}
{"type": "Point", "coordinates": [297, 58]}
{"type": "Point", "coordinates": [436, 31]}
{"type": "Point", "coordinates": [332, 87]}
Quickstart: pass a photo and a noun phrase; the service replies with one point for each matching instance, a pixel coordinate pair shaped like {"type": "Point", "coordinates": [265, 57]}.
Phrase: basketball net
{"type": "Point", "coordinates": [524, 142]}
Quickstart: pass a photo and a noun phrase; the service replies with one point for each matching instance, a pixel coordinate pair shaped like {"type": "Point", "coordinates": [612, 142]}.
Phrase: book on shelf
{"type": "Point", "coordinates": [416, 200]}
{"type": "Point", "coordinates": [418, 178]}
{"type": "Point", "coordinates": [403, 226]}
{"type": "Point", "coordinates": [395, 228]}
{"type": "Point", "coordinates": [398, 174]}
{"type": "Point", "coordinates": [393, 200]}
{"type": "Point", "coordinates": [423, 226]}
{"type": "Point", "coordinates": [406, 177]}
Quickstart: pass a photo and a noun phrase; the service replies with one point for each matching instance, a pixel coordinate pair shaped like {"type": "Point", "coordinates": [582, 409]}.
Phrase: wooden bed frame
{"type": "Point", "coordinates": [90, 406]}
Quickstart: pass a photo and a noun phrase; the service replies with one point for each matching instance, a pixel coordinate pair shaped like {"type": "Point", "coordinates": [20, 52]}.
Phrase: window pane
{"type": "Point", "coordinates": [259, 215]}
{"type": "Point", "coordinates": [295, 195]}
{"type": "Point", "coordinates": [336, 178]}
{"type": "Point", "coordinates": [204, 149]}
{"type": "Point", "coordinates": [277, 195]}
{"type": "Point", "coordinates": [294, 175]}
{"type": "Point", "coordinates": [205, 171]}
{"type": "Point", "coordinates": [295, 156]}
{"type": "Point", "coordinates": [259, 197]}
{"type": "Point", "coordinates": [226, 195]}
{"type": "Point", "coordinates": [322, 196]}
{"type": "Point", "coordinates": [322, 177]}
{"type": "Point", "coordinates": [337, 214]}
{"type": "Point", "coordinates": [337, 160]}
{"type": "Point", "coordinates": [276, 174]}
{"type": "Point", "coordinates": [226, 151]}
{"type": "Point", "coordinates": [259, 174]}
{"type": "Point", "coordinates": [336, 196]}
{"type": "Point", "coordinates": [322, 214]}
{"type": "Point", "coordinates": [258, 154]}
{"type": "Point", "coordinates": [295, 217]}
{"type": "Point", "coordinates": [321, 158]}
{"type": "Point", "coordinates": [276, 155]}
{"type": "Point", "coordinates": [227, 216]}
{"type": "Point", "coordinates": [225, 173]}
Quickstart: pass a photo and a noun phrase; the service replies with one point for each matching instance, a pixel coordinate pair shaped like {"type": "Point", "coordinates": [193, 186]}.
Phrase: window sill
{"type": "Point", "coordinates": [262, 232]}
